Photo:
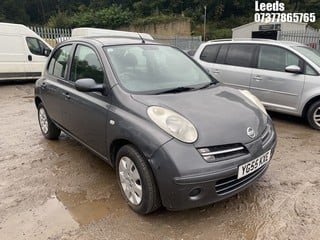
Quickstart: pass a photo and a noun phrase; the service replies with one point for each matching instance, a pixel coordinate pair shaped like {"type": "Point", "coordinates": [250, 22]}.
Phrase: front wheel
{"type": "Point", "coordinates": [313, 115]}
{"type": "Point", "coordinates": [48, 129]}
{"type": "Point", "coordinates": [136, 181]}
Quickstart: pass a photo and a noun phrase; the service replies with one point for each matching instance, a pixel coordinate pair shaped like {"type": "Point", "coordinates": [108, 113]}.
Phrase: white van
{"type": "Point", "coordinates": [83, 32]}
{"type": "Point", "coordinates": [23, 53]}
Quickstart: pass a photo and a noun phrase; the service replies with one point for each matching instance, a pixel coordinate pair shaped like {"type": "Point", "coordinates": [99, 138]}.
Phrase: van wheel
{"type": "Point", "coordinates": [313, 115]}
{"type": "Point", "coordinates": [48, 129]}
{"type": "Point", "coordinates": [136, 180]}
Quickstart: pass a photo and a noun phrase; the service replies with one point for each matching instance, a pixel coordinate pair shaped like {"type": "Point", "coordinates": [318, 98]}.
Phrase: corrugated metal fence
{"type": "Point", "coordinates": [309, 37]}
{"type": "Point", "coordinates": [57, 35]}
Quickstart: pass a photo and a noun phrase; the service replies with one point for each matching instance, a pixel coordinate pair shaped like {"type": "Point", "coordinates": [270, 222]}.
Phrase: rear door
{"type": "Point", "coordinates": [230, 63]}
{"type": "Point", "coordinates": [276, 88]}
{"type": "Point", "coordinates": [54, 85]}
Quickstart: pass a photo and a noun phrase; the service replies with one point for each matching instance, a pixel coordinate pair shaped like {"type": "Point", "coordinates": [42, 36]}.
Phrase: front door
{"type": "Point", "coordinates": [85, 114]}
{"type": "Point", "coordinates": [276, 88]}
{"type": "Point", "coordinates": [36, 56]}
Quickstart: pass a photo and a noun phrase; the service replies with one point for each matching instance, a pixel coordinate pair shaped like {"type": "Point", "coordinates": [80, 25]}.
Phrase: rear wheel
{"type": "Point", "coordinates": [136, 181]}
{"type": "Point", "coordinates": [48, 129]}
{"type": "Point", "coordinates": [313, 115]}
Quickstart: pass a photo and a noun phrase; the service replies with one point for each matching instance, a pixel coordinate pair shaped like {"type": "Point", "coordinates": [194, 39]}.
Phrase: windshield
{"type": "Point", "coordinates": [151, 69]}
{"type": "Point", "coordinates": [309, 53]}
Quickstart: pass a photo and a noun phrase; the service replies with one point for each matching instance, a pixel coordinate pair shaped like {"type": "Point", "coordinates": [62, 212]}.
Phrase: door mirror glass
{"type": "Point", "coordinates": [88, 85]}
{"type": "Point", "coordinates": [293, 69]}
{"type": "Point", "coordinates": [46, 52]}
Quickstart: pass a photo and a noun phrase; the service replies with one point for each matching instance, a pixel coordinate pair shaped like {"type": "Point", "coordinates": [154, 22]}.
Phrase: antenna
{"type": "Point", "coordinates": [143, 41]}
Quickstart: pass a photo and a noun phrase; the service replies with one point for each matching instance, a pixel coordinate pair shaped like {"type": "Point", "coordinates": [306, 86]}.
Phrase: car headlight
{"type": "Point", "coordinates": [173, 123]}
{"type": "Point", "coordinates": [254, 99]}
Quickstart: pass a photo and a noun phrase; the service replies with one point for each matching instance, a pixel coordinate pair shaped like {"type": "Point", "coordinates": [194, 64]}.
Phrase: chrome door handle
{"type": "Point", "coordinates": [215, 72]}
{"type": "Point", "coordinates": [257, 78]}
{"type": "Point", "coordinates": [66, 95]}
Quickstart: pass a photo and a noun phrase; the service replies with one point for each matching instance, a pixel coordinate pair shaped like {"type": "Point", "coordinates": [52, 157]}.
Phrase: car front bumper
{"type": "Point", "coordinates": [186, 180]}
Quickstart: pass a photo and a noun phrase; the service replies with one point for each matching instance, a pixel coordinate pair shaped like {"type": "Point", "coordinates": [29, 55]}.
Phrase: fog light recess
{"type": "Point", "coordinates": [195, 193]}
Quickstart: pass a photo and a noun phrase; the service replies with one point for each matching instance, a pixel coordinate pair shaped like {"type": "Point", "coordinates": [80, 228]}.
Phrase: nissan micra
{"type": "Point", "coordinates": [175, 136]}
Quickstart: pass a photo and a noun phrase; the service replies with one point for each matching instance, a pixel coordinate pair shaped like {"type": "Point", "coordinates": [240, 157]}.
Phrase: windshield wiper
{"type": "Point", "coordinates": [208, 85]}
{"type": "Point", "coordinates": [177, 90]}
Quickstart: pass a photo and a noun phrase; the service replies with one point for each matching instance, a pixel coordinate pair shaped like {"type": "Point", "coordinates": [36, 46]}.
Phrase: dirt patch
{"type": "Point", "coordinates": [59, 190]}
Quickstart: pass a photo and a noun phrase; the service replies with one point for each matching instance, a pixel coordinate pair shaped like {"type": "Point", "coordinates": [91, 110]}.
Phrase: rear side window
{"type": "Point", "coordinates": [240, 55]}
{"type": "Point", "coordinates": [222, 54]}
{"type": "Point", "coordinates": [209, 53]}
{"type": "Point", "coordinates": [86, 64]}
{"type": "Point", "coordinates": [277, 59]}
{"type": "Point", "coordinates": [59, 62]}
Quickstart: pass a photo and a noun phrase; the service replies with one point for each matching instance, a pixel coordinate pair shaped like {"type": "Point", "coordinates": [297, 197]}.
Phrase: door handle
{"type": "Point", "coordinates": [29, 57]}
{"type": "Point", "coordinates": [66, 96]}
{"type": "Point", "coordinates": [257, 78]}
{"type": "Point", "coordinates": [215, 71]}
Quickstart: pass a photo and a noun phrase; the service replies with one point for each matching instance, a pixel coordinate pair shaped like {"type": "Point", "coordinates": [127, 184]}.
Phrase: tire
{"type": "Point", "coordinates": [136, 180]}
{"type": "Point", "coordinates": [48, 128]}
{"type": "Point", "coordinates": [313, 115]}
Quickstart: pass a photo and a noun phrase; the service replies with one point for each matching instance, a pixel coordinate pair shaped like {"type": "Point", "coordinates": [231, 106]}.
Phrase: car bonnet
{"type": "Point", "coordinates": [221, 115]}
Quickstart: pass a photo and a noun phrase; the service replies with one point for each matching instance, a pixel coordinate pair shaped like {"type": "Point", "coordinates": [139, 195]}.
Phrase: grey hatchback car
{"type": "Point", "coordinates": [175, 135]}
{"type": "Point", "coordinates": [283, 75]}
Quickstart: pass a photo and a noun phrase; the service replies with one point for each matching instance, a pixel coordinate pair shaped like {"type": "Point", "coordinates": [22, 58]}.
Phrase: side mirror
{"type": "Point", "coordinates": [46, 52]}
{"type": "Point", "coordinates": [293, 69]}
{"type": "Point", "coordinates": [88, 85]}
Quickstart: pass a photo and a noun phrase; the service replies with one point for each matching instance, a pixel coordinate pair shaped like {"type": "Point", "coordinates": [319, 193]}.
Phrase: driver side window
{"type": "Point", "coordinates": [86, 64]}
{"type": "Point", "coordinates": [277, 59]}
{"type": "Point", "coordinates": [36, 46]}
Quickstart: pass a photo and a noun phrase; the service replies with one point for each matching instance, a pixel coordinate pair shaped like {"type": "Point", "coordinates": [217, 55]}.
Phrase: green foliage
{"type": "Point", "coordinates": [219, 33]}
{"type": "Point", "coordinates": [2, 17]}
{"type": "Point", "coordinates": [226, 14]}
{"type": "Point", "coordinates": [60, 20]}
{"type": "Point", "coordinates": [14, 11]}
{"type": "Point", "coordinates": [112, 17]}
{"type": "Point", "coordinates": [157, 19]}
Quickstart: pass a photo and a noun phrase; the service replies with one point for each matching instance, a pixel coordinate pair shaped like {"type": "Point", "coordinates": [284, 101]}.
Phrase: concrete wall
{"type": "Point", "coordinates": [178, 27]}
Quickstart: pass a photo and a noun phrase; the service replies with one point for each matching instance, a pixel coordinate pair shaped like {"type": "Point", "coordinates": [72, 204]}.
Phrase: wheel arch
{"type": "Point", "coordinates": [308, 104]}
{"type": "Point", "coordinates": [119, 143]}
{"type": "Point", "coordinates": [37, 101]}
{"type": "Point", "coordinates": [115, 147]}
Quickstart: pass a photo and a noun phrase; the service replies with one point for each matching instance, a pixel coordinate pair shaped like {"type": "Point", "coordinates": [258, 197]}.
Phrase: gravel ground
{"type": "Point", "coordinates": [60, 190]}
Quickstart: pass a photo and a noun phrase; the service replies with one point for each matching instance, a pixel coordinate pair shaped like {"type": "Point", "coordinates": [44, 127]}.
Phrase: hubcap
{"type": "Point", "coordinates": [316, 116]}
{"type": "Point", "coordinates": [43, 120]}
{"type": "Point", "coordinates": [130, 180]}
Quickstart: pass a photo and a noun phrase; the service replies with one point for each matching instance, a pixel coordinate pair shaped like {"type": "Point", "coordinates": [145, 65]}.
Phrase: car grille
{"type": "Point", "coordinates": [222, 152]}
{"type": "Point", "coordinates": [227, 185]}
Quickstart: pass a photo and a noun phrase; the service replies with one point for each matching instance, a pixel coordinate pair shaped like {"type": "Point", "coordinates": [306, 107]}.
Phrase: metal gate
{"type": "Point", "coordinates": [309, 37]}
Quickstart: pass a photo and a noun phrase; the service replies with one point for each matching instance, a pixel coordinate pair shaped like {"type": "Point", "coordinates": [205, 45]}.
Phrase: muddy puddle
{"type": "Point", "coordinates": [59, 190]}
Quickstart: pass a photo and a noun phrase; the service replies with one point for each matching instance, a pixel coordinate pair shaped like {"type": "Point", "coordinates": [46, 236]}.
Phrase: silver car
{"type": "Point", "coordinates": [283, 75]}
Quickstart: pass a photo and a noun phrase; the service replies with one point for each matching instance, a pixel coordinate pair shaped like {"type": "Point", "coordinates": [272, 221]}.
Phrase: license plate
{"type": "Point", "coordinates": [253, 165]}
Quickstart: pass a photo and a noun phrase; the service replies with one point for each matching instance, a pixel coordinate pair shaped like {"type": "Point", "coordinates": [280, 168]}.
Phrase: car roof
{"type": "Point", "coordinates": [111, 40]}
{"type": "Point", "coordinates": [257, 40]}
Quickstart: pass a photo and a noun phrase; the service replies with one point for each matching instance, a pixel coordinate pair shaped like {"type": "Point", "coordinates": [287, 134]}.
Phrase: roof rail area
{"type": "Point", "coordinates": [242, 39]}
